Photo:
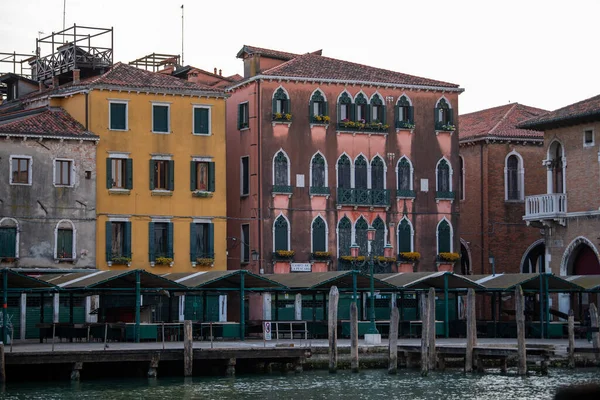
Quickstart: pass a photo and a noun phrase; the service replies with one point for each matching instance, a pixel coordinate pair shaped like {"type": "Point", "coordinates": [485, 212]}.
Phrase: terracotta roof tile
{"type": "Point", "coordinates": [46, 121]}
{"type": "Point", "coordinates": [500, 122]}
{"type": "Point", "coordinates": [319, 67]}
{"type": "Point", "coordinates": [581, 112]}
{"type": "Point", "coordinates": [280, 55]}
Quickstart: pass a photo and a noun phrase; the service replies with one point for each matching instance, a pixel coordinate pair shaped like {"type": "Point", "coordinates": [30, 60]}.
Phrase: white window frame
{"type": "Point", "coordinates": [29, 170]}
{"type": "Point", "coordinates": [16, 236]}
{"type": "Point", "coordinates": [209, 108]}
{"type": "Point", "coordinates": [326, 169]}
{"type": "Point", "coordinates": [162, 104]}
{"type": "Point", "coordinates": [437, 235]}
{"type": "Point", "coordinates": [289, 176]}
{"type": "Point", "coordinates": [126, 102]}
{"type": "Point", "coordinates": [242, 176]}
{"type": "Point", "coordinates": [289, 228]}
{"type": "Point", "coordinates": [326, 233]}
{"type": "Point", "coordinates": [247, 116]}
{"type": "Point", "coordinates": [370, 169]}
{"type": "Point", "coordinates": [586, 145]}
{"type": "Point", "coordinates": [412, 234]}
{"type": "Point", "coordinates": [520, 176]}
{"type": "Point", "coordinates": [71, 172]}
{"type": "Point", "coordinates": [412, 171]}
{"type": "Point", "coordinates": [450, 175]}
{"type": "Point", "coordinates": [73, 232]}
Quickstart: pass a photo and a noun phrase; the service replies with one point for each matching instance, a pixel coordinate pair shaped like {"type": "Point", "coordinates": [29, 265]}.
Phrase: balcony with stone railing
{"type": "Point", "coordinates": [546, 207]}
{"type": "Point", "coordinates": [363, 197]}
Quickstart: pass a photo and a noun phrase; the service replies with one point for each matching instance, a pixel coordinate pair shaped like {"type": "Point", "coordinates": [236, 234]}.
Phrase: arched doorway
{"type": "Point", "coordinates": [534, 259]}
{"type": "Point", "coordinates": [465, 258]}
{"type": "Point", "coordinates": [581, 258]}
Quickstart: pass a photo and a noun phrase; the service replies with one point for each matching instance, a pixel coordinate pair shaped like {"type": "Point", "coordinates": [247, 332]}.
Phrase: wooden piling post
{"type": "Point", "coordinates": [393, 341]}
{"type": "Point", "coordinates": [188, 348]}
{"type": "Point", "coordinates": [153, 368]}
{"type": "Point", "coordinates": [2, 364]}
{"type": "Point", "coordinates": [354, 337]}
{"type": "Point", "coordinates": [424, 336]}
{"type": "Point", "coordinates": [571, 339]}
{"type": "Point", "coordinates": [334, 295]}
{"type": "Point", "coordinates": [231, 367]}
{"type": "Point", "coordinates": [431, 330]}
{"type": "Point", "coordinates": [520, 317]}
{"type": "Point", "coordinates": [471, 330]}
{"type": "Point", "coordinates": [76, 372]}
{"type": "Point", "coordinates": [595, 334]}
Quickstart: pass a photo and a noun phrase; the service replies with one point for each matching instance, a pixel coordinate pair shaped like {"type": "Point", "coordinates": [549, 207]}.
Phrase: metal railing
{"type": "Point", "coordinates": [552, 205]}
{"type": "Point", "coordinates": [363, 197]}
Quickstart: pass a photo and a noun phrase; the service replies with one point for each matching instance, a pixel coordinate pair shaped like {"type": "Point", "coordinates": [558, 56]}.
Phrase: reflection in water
{"type": "Point", "coordinates": [368, 384]}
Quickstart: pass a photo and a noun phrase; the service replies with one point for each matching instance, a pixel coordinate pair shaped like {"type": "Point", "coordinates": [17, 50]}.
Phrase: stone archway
{"type": "Point", "coordinates": [465, 258]}
{"type": "Point", "coordinates": [534, 258]}
{"type": "Point", "coordinates": [580, 258]}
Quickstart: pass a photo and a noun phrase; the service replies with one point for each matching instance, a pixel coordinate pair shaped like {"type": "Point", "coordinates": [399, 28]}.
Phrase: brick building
{"type": "Point", "coordinates": [568, 207]}
{"type": "Point", "coordinates": [320, 149]}
{"type": "Point", "coordinates": [499, 166]}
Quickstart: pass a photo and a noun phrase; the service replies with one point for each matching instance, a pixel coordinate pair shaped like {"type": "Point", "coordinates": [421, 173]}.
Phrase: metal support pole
{"type": "Point", "coordinates": [547, 320]}
{"type": "Point", "coordinates": [71, 299]}
{"type": "Point", "coordinates": [137, 305]}
{"type": "Point", "coordinates": [401, 313]}
{"type": "Point", "coordinates": [446, 310]}
{"type": "Point", "coordinates": [372, 327]}
{"type": "Point", "coordinates": [494, 317]}
{"type": "Point", "coordinates": [4, 303]}
{"type": "Point", "coordinates": [242, 308]}
{"type": "Point", "coordinates": [354, 289]}
{"type": "Point", "coordinates": [541, 306]}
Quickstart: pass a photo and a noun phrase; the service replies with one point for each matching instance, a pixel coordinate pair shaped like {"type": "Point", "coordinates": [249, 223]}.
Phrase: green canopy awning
{"type": "Point", "coordinates": [425, 280]}
{"type": "Point", "coordinates": [324, 280]}
{"type": "Point", "coordinates": [531, 282]}
{"type": "Point", "coordinates": [222, 280]}
{"type": "Point", "coordinates": [17, 280]}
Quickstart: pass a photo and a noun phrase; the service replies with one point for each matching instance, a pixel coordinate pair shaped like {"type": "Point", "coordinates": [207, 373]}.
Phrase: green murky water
{"type": "Point", "coordinates": [368, 384]}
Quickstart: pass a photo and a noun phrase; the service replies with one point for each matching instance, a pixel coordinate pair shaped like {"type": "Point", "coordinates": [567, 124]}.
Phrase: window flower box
{"type": "Point", "coordinates": [320, 119]}
{"type": "Point", "coordinates": [448, 257]}
{"type": "Point", "coordinates": [202, 193]}
{"type": "Point", "coordinates": [283, 255]}
{"type": "Point", "coordinates": [164, 261]}
{"type": "Point", "coordinates": [321, 255]}
{"type": "Point", "coordinates": [405, 125]}
{"type": "Point", "coordinates": [205, 262]}
{"type": "Point", "coordinates": [362, 125]}
{"type": "Point", "coordinates": [118, 260]}
{"type": "Point", "coordinates": [281, 117]}
{"type": "Point", "coordinates": [445, 127]}
{"type": "Point", "coordinates": [410, 256]}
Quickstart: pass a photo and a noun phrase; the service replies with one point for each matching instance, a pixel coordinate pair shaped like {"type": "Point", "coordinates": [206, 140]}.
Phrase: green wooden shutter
{"type": "Point", "coordinates": [127, 240]}
{"type": "Point", "coordinates": [151, 255]}
{"type": "Point", "coordinates": [288, 106]}
{"type": "Point", "coordinates": [396, 114]}
{"type": "Point", "coordinates": [443, 237]}
{"type": "Point", "coordinates": [435, 117]}
{"type": "Point", "coordinates": [171, 175]}
{"type": "Point", "coordinates": [274, 105]}
{"type": "Point", "coordinates": [118, 116]}
{"type": "Point", "coordinates": [193, 175]}
{"type": "Point", "coordinates": [170, 240]}
{"type": "Point", "coordinates": [129, 173]}
{"type": "Point", "coordinates": [108, 173]}
{"type": "Point", "coordinates": [318, 235]}
{"type": "Point", "coordinates": [383, 114]}
{"type": "Point", "coordinates": [311, 111]}
{"type": "Point", "coordinates": [339, 112]}
{"type": "Point", "coordinates": [201, 121]}
{"type": "Point", "coordinates": [450, 116]}
{"type": "Point", "coordinates": [368, 117]}
{"type": "Point", "coordinates": [160, 122]}
{"type": "Point", "coordinates": [211, 241]}
{"type": "Point", "coordinates": [64, 243]}
{"type": "Point", "coordinates": [152, 167]}
{"type": "Point", "coordinates": [8, 238]}
{"type": "Point", "coordinates": [352, 109]}
{"type": "Point", "coordinates": [193, 249]}
{"type": "Point", "coordinates": [404, 236]}
{"type": "Point", "coordinates": [108, 240]}
{"type": "Point", "coordinates": [239, 116]}
{"type": "Point", "coordinates": [410, 115]}
{"type": "Point", "coordinates": [211, 176]}
{"type": "Point", "coordinates": [325, 108]}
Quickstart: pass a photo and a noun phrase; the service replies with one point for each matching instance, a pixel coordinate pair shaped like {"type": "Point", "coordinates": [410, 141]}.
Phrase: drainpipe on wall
{"type": "Point", "coordinates": [259, 174]}
{"type": "Point", "coordinates": [481, 211]}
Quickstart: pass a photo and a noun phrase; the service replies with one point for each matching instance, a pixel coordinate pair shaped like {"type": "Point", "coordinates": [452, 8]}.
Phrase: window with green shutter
{"type": "Point", "coordinates": [245, 247]}
{"type": "Point", "coordinates": [162, 175]}
{"type": "Point", "coordinates": [201, 120]}
{"type": "Point", "coordinates": [444, 237]}
{"type": "Point", "coordinates": [443, 115]}
{"type": "Point", "coordinates": [245, 176]}
{"type": "Point", "coordinates": [377, 110]}
{"type": "Point", "coordinates": [344, 236]}
{"type": "Point", "coordinates": [160, 118]}
{"type": "Point", "coordinates": [404, 237]}
{"type": "Point", "coordinates": [379, 242]}
{"type": "Point", "coordinates": [281, 103]}
{"type": "Point", "coordinates": [119, 173]}
{"type": "Point", "coordinates": [404, 113]}
{"type": "Point", "coordinates": [118, 240]}
{"type": "Point", "coordinates": [317, 108]}
{"type": "Point", "coordinates": [319, 235]}
{"type": "Point", "coordinates": [202, 241]}
{"type": "Point", "coordinates": [362, 108]}
{"type": "Point", "coordinates": [64, 243]}
{"type": "Point", "coordinates": [243, 118]}
{"type": "Point", "coordinates": [345, 109]}
{"type": "Point", "coordinates": [202, 176]}
{"type": "Point", "coordinates": [118, 116]}
{"type": "Point", "coordinates": [8, 242]}
{"type": "Point", "coordinates": [281, 233]}
{"type": "Point", "coordinates": [360, 228]}
{"type": "Point", "coordinates": [163, 241]}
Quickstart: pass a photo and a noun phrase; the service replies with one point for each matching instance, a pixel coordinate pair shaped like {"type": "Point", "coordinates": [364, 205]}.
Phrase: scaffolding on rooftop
{"type": "Point", "coordinates": [155, 62]}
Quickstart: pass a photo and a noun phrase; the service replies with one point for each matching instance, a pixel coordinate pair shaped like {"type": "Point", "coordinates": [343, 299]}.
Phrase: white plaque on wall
{"type": "Point", "coordinates": [424, 185]}
{"type": "Point", "coordinates": [299, 180]}
{"type": "Point", "coordinates": [300, 267]}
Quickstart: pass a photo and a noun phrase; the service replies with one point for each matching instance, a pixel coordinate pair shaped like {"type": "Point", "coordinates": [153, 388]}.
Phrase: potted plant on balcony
{"type": "Point", "coordinates": [321, 255]}
{"type": "Point", "coordinates": [321, 119]}
{"type": "Point", "coordinates": [448, 128]}
{"type": "Point", "coordinates": [120, 260]}
{"type": "Point", "coordinates": [407, 261]}
{"type": "Point", "coordinates": [205, 261]}
{"type": "Point", "coordinates": [164, 261]}
{"type": "Point", "coordinates": [405, 125]}
{"type": "Point", "coordinates": [445, 261]}
{"type": "Point", "coordinates": [284, 255]}
{"type": "Point", "coordinates": [283, 117]}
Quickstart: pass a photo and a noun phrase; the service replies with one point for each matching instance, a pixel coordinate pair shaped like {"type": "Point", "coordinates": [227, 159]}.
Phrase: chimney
{"type": "Point", "coordinates": [76, 75]}
{"type": "Point", "coordinates": [220, 72]}
{"type": "Point", "coordinates": [215, 70]}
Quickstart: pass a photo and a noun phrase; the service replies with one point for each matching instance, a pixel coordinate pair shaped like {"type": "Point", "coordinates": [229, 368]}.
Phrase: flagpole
{"type": "Point", "coordinates": [182, 35]}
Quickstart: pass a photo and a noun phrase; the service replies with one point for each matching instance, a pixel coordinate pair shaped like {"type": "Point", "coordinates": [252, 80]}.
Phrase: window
{"type": "Point", "coordinates": [360, 229]}
{"type": "Point", "coordinates": [20, 170]}
{"type": "Point", "coordinates": [201, 121]}
{"type": "Point", "coordinates": [8, 238]}
{"type": "Point", "coordinates": [318, 106]}
{"type": "Point", "coordinates": [379, 242]}
{"type": "Point", "coordinates": [160, 240]}
{"type": "Point", "coordinates": [318, 172]}
{"type": "Point", "coordinates": [344, 171]}
{"type": "Point", "coordinates": [162, 174]}
{"type": "Point", "coordinates": [245, 256]}
{"type": "Point", "coordinates": [117, 115]}
{"type": "Point", "coordinates": [243, 118]}
{"type": "Point", "coordinates": [281, 102]}
{"type": "Point", "coordinates": [319, 234]}
{"type": "Point", "coordinates": [377, 173]}
{"type": "Point", "coordinates": [512, 178]}
{"type": "Point", "coordinates": [377, 109]}
{"type": "Point", "coordinates": [160, 118]}
{"type": "Point", "coordinates": [118, 240]}
{"type": "Point", "coordinates": [444, 237]}
{"type": "Point", "coordinates": [245, 176]}
{"type": "Point", "coordinates": [119, 173]}
{"type": "Point", "coordinates": [443, 115]}
{"type": "Point", "coordinates": [62, 172]}
{"type": "Point", "coordinates": [64, 244]}
{"type": "Point", "coordinates": [461, 178]}
{"type": "Point", "coordinates": [405, 236]}
{"type": "Point", "coordinates": [202, 176]}
{"type": "Point", "coordinates": [588, 138]}
{"type": "Point", "coordinates": [281, 170]}
{"type": "Point", "coordinates": [345, 109]}
{"type": "Point", "coordinates": [281, 232]}
{"type": "Point", "coordinates": [362, 108]}
{"type": "Point", "coordinates": [443, 183]}
{"type": "Point", "coordinates": [201, 241]}
{"type": "Point", "coordinates": [404, 113]}
{"type": "Point", "coordinates": [360, 173]}
{"type": "Point", "coordinates": [405, 185]}
{"type": "Point", "coordinates": [344, 236]}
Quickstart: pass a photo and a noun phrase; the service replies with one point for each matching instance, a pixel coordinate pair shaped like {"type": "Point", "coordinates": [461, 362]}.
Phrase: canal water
{"type": "Point", "coordinates": [368, 384]}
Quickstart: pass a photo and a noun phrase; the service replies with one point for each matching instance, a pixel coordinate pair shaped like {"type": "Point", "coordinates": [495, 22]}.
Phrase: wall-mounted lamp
{"type": "Point", "coordinates": [255, 255]}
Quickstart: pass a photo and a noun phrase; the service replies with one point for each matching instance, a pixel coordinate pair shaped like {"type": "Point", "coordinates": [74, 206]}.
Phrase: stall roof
{"type": "Point", "coordinates": [17, 280]}
{"type": "Point", "coordinates": [222, 280]}
{"type": "Point", "coordinates": [587, 282]}
{"type": "Point", "coordinates": [324, 280]}
{"type": "Point", "coordinates": [425, 280]}
{"type": "Point", "coordinates": [527, 281]}
{"type": "Point", "coordinates": [109, 280]}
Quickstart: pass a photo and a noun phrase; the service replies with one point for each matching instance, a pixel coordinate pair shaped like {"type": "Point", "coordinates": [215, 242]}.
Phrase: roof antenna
{"type": "Point", "coordinates": [182, 63]}
{"type": "Point", "coordinates": [64, 14]}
